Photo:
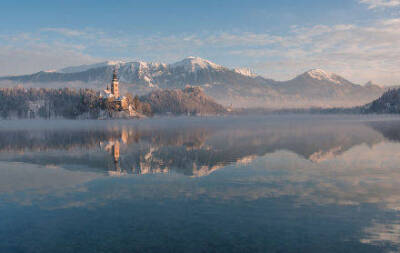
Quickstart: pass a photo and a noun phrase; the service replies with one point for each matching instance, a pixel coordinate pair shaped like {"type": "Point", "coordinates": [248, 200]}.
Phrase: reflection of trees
{"type": "Point", "coordinates": [146, 155]}
{"type": "Point", "coordinates": [68, 139]}
{"type": "Point", "coordinates": [389, 129]}
{"type": "Point", "coordinates": [44, 140]}
{"type": "Point", "coordinates": [200, 151]}
{"type": "Point", "coordinates": [194, 150]}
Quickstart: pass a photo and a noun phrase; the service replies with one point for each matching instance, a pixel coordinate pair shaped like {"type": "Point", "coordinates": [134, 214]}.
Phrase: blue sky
{"type": "Point", "coordinates": [358, 39]}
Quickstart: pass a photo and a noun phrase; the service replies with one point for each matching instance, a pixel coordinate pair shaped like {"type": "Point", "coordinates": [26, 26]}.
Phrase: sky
{"type": "Point", "coordinates": [357, 39]}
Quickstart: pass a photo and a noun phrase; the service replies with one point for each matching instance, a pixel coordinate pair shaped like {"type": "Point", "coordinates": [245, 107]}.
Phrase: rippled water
{"type": "Point", "coordinates": [245, 184]}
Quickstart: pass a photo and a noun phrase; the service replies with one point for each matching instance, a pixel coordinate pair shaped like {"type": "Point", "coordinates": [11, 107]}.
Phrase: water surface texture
{"type": "Point", "coordinates": [235, 184]}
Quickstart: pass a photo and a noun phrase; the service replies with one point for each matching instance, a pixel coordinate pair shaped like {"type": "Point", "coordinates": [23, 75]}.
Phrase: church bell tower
{"type": "Point", "coordinates": [114, 84]}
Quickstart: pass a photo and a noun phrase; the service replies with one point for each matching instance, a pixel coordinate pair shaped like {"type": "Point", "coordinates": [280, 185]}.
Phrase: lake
{"type": "Point", "coordinates": [293, 183]}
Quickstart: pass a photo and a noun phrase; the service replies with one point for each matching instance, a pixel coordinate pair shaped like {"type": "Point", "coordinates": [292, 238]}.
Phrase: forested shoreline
{"type": "Point", "coordinates": [62, 103]}
{"type": "Point", "coordinates": [69, 103]}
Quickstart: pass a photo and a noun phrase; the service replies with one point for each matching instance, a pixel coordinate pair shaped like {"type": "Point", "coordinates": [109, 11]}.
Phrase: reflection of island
{"type": "Point", "coordinates": [345, 170]}
{"type": "Point", "coordinates": [389, 129]}
{"type": "Point", "coordinates": [191, 149]}
{"type": "Point", "coordinates": [143, 166]}
{"type": "Point", "coordinates": [239, 145]}
{"type": "Point", "coordinates": [115, 154]}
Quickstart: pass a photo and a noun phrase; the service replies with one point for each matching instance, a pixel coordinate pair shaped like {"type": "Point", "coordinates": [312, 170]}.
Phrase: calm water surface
{"type": "Point", "coordinates": [245, 184]}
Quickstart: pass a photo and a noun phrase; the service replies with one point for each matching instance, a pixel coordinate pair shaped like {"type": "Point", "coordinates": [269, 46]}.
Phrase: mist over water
{"type": "Point", "coordinates": [295, 183]}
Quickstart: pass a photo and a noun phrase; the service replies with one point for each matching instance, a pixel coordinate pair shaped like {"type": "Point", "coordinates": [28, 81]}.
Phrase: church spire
{"type": "Point", "coordinates": [115, 72]}
{"type": "Point", "coordinates": [114, 84]}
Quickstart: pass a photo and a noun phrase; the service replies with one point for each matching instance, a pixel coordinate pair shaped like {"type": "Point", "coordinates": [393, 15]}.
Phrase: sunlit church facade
{"type": "Point", "coordinates": [112, 92]}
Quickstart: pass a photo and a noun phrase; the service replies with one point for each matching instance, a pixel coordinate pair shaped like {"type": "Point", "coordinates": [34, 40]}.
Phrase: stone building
{"type": "Point", "coordinates": [112, 92]}
{"type": "Point", "coordinates": [115, 84]}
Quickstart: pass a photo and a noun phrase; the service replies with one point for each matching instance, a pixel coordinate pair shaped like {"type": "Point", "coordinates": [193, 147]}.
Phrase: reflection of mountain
{"type": "Point", "coordinates": [355, 195]}
{"type": "Point", "coordinates": [389, 129]}
{"type": "Point", "coordinates": [190, 148]}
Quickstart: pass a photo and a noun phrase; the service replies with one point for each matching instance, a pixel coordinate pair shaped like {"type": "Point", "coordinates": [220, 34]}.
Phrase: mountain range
{"type": "Point", "coordinates": [236, 87]}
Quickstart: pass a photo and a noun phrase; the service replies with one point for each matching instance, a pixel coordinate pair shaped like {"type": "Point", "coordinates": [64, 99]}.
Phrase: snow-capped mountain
{"type": "Point", "coordinates": [322, 75]}
{"type": "Point", "coordinates": [245, 72]}
{"type": "Point", "coordinates": [239, 87]}
{"type": "Point", "coordinates": [194, 64]}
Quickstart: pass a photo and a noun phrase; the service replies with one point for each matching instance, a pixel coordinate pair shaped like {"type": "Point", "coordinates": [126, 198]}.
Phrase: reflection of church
{"type": "Point", "coordinates": [115, 154]}
{"type": "Point", "coordinates": [144, 162]}
{"type": "Point", "coordinates": [152, 156]}
{"type": "Point", "coordinates": [144, 165]}
{"type": "Point", "coordinates": [114, 168]}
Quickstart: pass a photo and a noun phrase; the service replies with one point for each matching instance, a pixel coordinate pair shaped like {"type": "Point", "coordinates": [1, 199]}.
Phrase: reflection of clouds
{"type": "Point", "coordinates": [205, 170]}
{"type": "Point", "coordinates": [187, 148]}
{"type": "Point", "coordinates": [378, 233]}
{"type": "Point", "coordinates": [370, 174]}
{"type": "Point", "coordinates": [315, 160]}
{"type": "Point", "coordinates": [363, 174]}
{"type": "Point", "coordinates": [38, 181]}
{"type": "Point", "coordinates": [303, 164]}
{"type": "Point", "coordinates": [246, 160]}
{"type": "Point", "coordinates": [321, 155]}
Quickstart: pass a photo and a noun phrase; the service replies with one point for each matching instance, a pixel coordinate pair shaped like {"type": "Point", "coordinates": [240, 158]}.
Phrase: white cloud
{"type": "Point", "coordinates": [65, 31]}
{"type": "Point", "coordinates": [23, 53]}
{"type": "Point", "coordinates": [372, 4]}
{"type": "Point", "coordinates": [358, 52]}
{"type": "Point", "coordinates": [41, 56]}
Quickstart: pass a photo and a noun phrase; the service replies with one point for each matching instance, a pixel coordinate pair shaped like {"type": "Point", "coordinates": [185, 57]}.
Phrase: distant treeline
{"type": "Point", "coordinates": [389, 102]}
{"type": "Point", "coordinates": [62, 103]}
{"type": "Point", "coordinates": [188, 101]}
{"type": "Point", "coordinates": [87, 103]}
{"type": "Point", "coordinates": [313, 110]}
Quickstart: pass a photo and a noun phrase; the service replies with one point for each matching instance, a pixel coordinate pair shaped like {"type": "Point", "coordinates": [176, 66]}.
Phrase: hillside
{"type": "Point", "coordinates": [190, 100]}
{"type": "Point", "coordinates": [64, 103]}
{"type": "Point", "coordinates": [389, 102]}
{"type": "Point", "coordinates": [239, 87]}
{"type": "Point", "coordinates": [87, 103]}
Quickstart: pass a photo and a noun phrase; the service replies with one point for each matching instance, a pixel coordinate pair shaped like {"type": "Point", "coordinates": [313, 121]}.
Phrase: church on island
{"type": "Point", "coordinates": [114, 91]}
{"type": "Point", "coordinates": [119, 103]}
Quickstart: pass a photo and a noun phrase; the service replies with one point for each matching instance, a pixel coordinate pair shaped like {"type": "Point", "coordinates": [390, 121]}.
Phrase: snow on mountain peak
{"type": "Point", "coordinates": [322, 75]}
{"type": "Point", "coordinates": [112, 63]}
{"type": "Point", "coordinates": [245, 72]}
{"type": "Point", "coordinates": [319, 74]}
{"type": "Point", "coordinates": [193, 64]}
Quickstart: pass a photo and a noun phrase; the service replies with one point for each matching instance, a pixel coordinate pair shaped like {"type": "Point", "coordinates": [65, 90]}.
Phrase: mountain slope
{"type": "Point", "coordinates": [329, 88]}
{"type": "Point", "coordinates": [190, 100]}
{"type": "Point", "coordinates": [239, 87]}
{"type": "Point", "coordinates": [389, 102]}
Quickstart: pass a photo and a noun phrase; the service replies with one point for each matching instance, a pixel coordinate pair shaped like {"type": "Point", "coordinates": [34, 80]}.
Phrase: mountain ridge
{"type": "Point", "coordinates": [239, 87]}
